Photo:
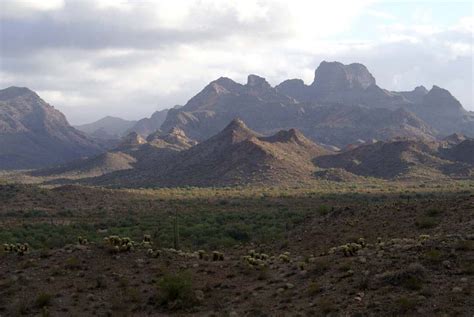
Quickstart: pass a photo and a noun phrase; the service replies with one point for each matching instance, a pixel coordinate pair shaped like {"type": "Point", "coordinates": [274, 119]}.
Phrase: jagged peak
{"type": "Point", "coordinates": [440, 97]}
{"type": "Point", "coordinates": [421, 89]}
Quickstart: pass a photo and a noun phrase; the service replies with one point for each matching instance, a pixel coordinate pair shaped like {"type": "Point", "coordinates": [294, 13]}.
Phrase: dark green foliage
{"type": "Point", "coordinates": [406, 304]}
{"type": "Point", "coordinates": [426, 222]}
{"type": "Point", "coordinates": [43, 299]}
{"type": "Point", "coordinates": [175, 290]}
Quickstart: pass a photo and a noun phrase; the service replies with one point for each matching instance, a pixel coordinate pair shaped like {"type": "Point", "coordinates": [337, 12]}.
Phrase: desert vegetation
{"type": "Point", "coordinates": [337, 248]}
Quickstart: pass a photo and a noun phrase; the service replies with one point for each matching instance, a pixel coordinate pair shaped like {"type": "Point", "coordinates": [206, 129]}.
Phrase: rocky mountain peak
{"type": "Point", "coordinates": [257, 81]}
{"type": "Point", "coordinates": [237, 131]}
{"type": "Point", "coordinates": [332, 76]}
{"type": "Point", "coordinates": [439, 97]}
{"type": "Point", "coordinates": [421, 90]}
{"type": "Point", "coordinates": [236, 125]}
{"type": "Point", "coordinates": [224, 84]}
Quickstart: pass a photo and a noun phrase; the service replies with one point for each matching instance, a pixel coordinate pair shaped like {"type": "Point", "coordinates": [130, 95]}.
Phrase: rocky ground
{"type": "Point", "coordinates": [425, 276]}
{"type": "Point", "coordinates": [375, 255]}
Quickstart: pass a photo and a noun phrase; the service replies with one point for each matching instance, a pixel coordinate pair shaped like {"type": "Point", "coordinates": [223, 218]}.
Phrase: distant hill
{"type": "Point", "coordinates": [107, 128]}
{"type": "Point", "coordinates": [404, 159]}
{"type": "Point", "coordinates": [147, 126]}
{"type": "Point", "coordinates": [33, 134]}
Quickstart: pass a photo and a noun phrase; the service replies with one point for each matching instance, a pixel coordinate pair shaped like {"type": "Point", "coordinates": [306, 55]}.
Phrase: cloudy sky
{"type": "Point", "coordinates": [91, 58]}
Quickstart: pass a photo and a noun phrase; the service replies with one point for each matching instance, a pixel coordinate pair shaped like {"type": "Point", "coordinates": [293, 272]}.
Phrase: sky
{"type": "Point", "coordinates": [92, 58]}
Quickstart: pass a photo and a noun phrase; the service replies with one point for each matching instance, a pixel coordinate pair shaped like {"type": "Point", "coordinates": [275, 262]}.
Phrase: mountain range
{"type": "Point", "coordinates": [342, 106]}
{"type": "Point", "coordinates": [343, 125]}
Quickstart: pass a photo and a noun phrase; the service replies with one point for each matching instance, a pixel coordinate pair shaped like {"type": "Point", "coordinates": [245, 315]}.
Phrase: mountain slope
{"type": "Point", "coordinates": [33, 134]}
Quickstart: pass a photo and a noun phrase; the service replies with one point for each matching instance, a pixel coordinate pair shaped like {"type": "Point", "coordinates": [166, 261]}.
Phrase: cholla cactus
{"type": "Point", "coordinates": [147, 243]}
{"type": "Point", "coordinates": [301, 266]}
{"type": "Point", "coordinates": [424, 237]}
{"type": "Point", "coordinates": [349, 249]}
{"type": "Point", "coordinates": [217, 256]}
{"type": "Point", "coordinates": [117, 244]}
{"type": "Point", "coordinates": [285, 258]}
{"type": "Point", "coordinates": [201, 254]}
{"type": "Point", "coordinates": [19, 248]}
{"type": "Point", "coordinates": [82, 241]}
{"type": "Point", "coordinates": [7, 247]}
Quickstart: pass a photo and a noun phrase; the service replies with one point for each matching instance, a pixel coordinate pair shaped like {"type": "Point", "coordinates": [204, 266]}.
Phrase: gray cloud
{"type": "Point", "coordinates": [91, 61]}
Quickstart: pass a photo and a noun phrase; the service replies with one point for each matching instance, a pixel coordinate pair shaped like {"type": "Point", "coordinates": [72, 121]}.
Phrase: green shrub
{"type": "Point", "coordinates": [406, 304]}
{"type": "Point", "coordinates": [323, 210]}
{"type": "Point", "coordinates": [426, 222]}
{"type": "Point", "coordinates": [465, 245]}
{"type": "Point", "coordinates": [72, 263]}
{"type": "Point", "coordinates": [176, 290]}
{"type": "Point", "coordinates": [433, 256]}
{"type": "Point", "coordinates": [433, 212]}
{"type": "Point", "coordinates": [43, 299]}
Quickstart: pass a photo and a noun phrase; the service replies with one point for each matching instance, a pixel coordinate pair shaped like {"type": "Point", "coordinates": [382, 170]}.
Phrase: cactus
{"type": "Point", "coordinates": [284, 258]}
{"type": "Point", "coordinates": [19, 248]}
{"type": "Point", "coordinates": [82, 241]}
{"type": "Point", "coordinates": [201, 254]}
{"type": "Point", "coordinates": [424, 237]}
{"type": "Point", "coordinates": [301, 266]}
{"type": "Point", "coordinates": [117, 244]}
{"type": "Point", "coordinates": [217, 256]}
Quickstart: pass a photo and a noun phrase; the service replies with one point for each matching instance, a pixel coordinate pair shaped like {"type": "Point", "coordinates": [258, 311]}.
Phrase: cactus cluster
{"type": "Point", "coordinates": [118, 244]}
{"type": "Point", "coordinates": [256, 260]}
{"type": "Point", "coordinates": [350, 249]}
{"type": "Point", "coordinates": [217, 256]}
{"type": "Point", "coordinates": [285, 257]}
{"type": "Point", "coordinates": [153, 253]}
{"type": "Point", "coordinates": [82, 241]}
{"type": "Point", "coordinates": [18, 248]}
